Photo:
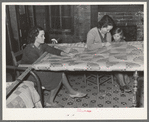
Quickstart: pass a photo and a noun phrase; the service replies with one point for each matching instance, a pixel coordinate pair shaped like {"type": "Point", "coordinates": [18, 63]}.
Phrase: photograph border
{"type": "Point", "coordinates": [72, 113]}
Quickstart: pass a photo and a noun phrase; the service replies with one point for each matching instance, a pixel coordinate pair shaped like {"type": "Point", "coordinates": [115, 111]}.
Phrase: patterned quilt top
{"type": "Point", "coordinates": [119, 56]}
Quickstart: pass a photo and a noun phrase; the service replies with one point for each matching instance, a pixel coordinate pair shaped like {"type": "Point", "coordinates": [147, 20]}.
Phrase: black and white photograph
{"type": "Point", "coordinates": [74, 60]}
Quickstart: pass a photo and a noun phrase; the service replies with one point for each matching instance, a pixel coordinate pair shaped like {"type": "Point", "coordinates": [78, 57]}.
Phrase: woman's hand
{"type": "Point", "coordinates": [70, 50]}
{"type": "Point", "coordinates": [106, 44]}
{"type": "Point", "coordinates": [54, 41]}
{"type": "Point", "coordinates": [67, 54]}
{"type": "Point", "coordinates": [64, 53]}
{"type": "Point", "coordinates": [73, 51]}
{"type": "Point", "coordinates": [67, 50]}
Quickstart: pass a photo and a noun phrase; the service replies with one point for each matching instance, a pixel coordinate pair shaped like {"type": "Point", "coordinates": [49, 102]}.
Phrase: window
{"type": "Point", "coordinates": [61, 18]}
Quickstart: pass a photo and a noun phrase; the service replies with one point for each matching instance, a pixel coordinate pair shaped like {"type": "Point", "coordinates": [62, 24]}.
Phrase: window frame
{"type": "Point", "coordinates": [55, 31]}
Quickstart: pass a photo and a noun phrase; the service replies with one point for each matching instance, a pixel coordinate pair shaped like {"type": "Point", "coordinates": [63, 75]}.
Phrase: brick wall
{"type": "Point", "coordinates": [130, 16]}
{"type": "Point", "coordinates": [127, 19]}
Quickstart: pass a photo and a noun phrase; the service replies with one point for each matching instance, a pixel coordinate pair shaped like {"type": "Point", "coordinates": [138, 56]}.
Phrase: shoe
{"type": "Point", "coordinates": [125, 88]}
{"type": "Point", "coordinates": [78, 95]}
{"type": "Point", "coordinates": [55, 105]}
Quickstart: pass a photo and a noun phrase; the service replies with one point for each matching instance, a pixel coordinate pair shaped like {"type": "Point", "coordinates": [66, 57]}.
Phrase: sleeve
{"type": "Point", "coordinates": [29, 56]}
{"type": "Point", "coordinates": [90, 41]}
{"type": "Point", "coordinates": [52, 50]}
{"type": "Point", "coordinates": [109, 37]}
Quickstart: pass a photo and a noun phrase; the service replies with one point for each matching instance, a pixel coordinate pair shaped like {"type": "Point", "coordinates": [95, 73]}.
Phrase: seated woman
{"type": "Point", "coordinates": [50, 80]}
{"type": "Point", "coordinates": [100, 36]}
{"type": "Point", "coordinates": [123, 79]}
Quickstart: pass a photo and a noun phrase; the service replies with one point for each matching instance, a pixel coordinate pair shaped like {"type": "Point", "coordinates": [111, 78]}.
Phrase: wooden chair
{"type": "Point", "coordinates": [16, 57]}
{"type": "Point", "coordinates": [16, 61]}
{"type": "Point", "coordinates": [98, 78]}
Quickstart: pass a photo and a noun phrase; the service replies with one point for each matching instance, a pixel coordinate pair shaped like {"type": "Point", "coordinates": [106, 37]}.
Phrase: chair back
{"type": "Point", "coordinates": [16, 57]}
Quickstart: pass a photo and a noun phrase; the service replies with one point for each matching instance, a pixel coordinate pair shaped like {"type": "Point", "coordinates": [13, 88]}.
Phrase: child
{"type": "Point", "coordinates": [118, 35]}
{"type": "Point", "coordinates": [122, 79]}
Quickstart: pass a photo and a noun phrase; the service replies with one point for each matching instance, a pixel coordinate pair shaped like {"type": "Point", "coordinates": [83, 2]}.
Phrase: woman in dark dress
{"type": "Point", "coordinates": [50, 80]}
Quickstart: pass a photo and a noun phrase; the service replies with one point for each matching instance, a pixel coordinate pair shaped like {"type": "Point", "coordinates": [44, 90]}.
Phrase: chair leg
{"type": "Point", "coordinates": [97, 82]}
{"type": "Point", "coordinates": [85, 80]}
{"type": "Point", "coordinates": [17, 73]}
{"type": "Point", "coordinates": [13, 75]}
{"type": "Point", "coordinates": [39, 89]}
{"type": "Point", "coordinates": [112, 78]}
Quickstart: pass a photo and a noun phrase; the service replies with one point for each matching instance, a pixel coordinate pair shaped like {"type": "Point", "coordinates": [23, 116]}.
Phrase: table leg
{"type": "Point", "coordinates": [134, 99]}
{"type": "Point", "coordinates": [98, 84]}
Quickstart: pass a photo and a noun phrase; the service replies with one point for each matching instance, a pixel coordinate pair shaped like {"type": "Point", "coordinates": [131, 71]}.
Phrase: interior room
{"type": "Point", "coordinates": [67, 25]}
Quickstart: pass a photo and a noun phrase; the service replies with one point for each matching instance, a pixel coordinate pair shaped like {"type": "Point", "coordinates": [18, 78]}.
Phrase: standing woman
{"type": "Point", "coordinates": [50, 80]}
{"type": "Point", "coordinates": [100, 36]}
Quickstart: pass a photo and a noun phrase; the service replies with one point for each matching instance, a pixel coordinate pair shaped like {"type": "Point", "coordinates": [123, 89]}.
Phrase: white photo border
{"type": "Point", "coordinates": [72, 113]}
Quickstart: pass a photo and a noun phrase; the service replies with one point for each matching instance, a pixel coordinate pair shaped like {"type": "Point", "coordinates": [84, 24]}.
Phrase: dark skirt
{"type": "Point", "coordinates": [50, 80]}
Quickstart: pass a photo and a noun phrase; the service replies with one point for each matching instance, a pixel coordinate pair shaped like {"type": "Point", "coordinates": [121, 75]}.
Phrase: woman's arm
{"type": "Point", "coordinates": [91, 45]}
{"type": "Point", "coordinates": [109, 37]}
{"type": "Point", "coordinates": [52, 50]}
{"type": "Point", "coordinates": [55, 51]}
